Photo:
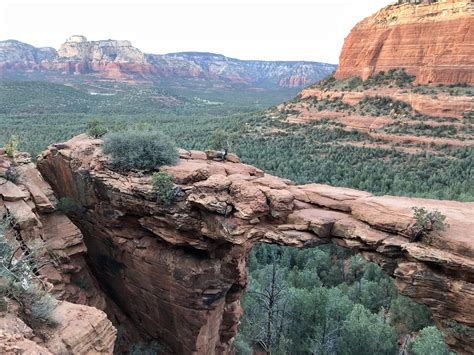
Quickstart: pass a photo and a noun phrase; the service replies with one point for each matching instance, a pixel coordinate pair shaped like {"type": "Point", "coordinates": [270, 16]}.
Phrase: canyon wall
{"type": "Point", "coordinates": [178, 270]}
{"type": "Point", "coordinates": [82, 326]}
{"type": "Point", "coordinates": [432, 40]}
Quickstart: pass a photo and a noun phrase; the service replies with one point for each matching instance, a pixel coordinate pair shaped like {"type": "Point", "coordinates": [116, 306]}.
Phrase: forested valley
{"type": "Point", "coordinates": [323, 300]}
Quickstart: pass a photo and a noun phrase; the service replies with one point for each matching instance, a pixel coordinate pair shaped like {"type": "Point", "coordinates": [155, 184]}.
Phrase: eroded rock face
{"type": "Point", "coordinates": [178, 270]}
{"type": "Point", "coordinates": [79, 329]}
{"type": "Point", "coordinates": [434, 41]}
{"type": "Point", "coordinates": [82, 325]}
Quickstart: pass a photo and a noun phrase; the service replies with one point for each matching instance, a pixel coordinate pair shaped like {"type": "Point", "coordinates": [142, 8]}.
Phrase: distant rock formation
{"type": "Point", "coordinates": [78, 48]}
{"type": "Point", "coordinates": [433, 40]}
{"type": "Point", "coordinates": [184, 264]}
{"type": "Point", "coordinates": [19, 56]}
{"type": "Point", "coordinates": [218, 67]}
{"type": "Point", "coordinates": [119, 60]}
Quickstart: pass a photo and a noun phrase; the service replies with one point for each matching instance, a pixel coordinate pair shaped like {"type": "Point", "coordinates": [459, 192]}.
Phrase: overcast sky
{"type": "Point", "coordinates": [247, 29]}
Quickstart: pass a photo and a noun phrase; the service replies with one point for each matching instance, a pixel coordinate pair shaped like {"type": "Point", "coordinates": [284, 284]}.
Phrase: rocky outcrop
{"type": "Point", "coordinates": [82, 327]}
{"type": "Point", "coordinates": [442, 105]}
{"type": "Point", "coordinates": [433, 40]}
{"type": "Point", "coordinates": [78, 329]}
{"type": "Point", "coordinates": [184, 264]}
{"type": "Point", "coordinates": [110, 58]}
{"type": "Point", "coordinates": [119, 60]}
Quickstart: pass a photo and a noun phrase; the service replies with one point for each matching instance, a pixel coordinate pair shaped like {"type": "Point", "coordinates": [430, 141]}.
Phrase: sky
{"type": "Point", "coordinates": [312, 30]}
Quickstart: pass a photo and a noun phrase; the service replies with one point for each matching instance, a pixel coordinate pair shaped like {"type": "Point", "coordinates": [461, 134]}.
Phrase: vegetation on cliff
{"type": "Point", "coordinates": [140, 149]}
{"type": "Point", "coordinates": [18, 276]}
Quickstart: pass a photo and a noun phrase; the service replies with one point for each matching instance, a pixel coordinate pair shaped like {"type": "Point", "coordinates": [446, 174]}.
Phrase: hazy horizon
{"type": "Point", "coordinates": [302, 30]}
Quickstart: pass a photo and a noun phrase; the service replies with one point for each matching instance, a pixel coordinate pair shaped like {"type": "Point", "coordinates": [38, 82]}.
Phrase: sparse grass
{"type": "Point", "coordinates": [18, 279]}
{"type": "Point", "coordinates": [11, 146]}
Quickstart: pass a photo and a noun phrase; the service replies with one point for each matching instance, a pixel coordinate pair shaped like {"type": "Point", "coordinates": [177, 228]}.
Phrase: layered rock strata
{"type": "Point", "coordinates": [39, 224]}
{"type": "Point", "coordinates": [118, 60]}
{"type": "Point", "coordinates": [432, 40]}
{"type": "Point", "coordinates": [79, 329]}
{"type": "Point", "coordinates": [184, 264]}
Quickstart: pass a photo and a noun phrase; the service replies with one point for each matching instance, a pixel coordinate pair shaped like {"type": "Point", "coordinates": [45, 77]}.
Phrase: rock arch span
{"type": "Point", "coordinates": [178, 271]}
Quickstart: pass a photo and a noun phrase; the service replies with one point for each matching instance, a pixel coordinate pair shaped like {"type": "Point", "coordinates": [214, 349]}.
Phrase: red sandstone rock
{"type": "Point", "coordinates": [31, 202]}
{"type": "Point", "coordinates": [79, 330]}
{"type": "Point", "coordinates": [184, 265]}
{"type": "Point", "coordinates": [435, 42]}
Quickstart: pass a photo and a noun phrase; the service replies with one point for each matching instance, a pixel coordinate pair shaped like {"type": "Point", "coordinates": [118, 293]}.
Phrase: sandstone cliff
{"type": "Point", "coordinates": [434, 41]}
{"type": "Point", "coordinates": [81, 328]}
{"type": "Point", "coordinates": [184, 265]}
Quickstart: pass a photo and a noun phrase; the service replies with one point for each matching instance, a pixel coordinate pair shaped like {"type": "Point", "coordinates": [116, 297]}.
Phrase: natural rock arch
{"type": "Point", "coordinates": [178, 271]}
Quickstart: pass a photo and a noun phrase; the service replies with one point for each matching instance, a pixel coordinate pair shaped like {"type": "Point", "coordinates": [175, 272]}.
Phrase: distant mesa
{"type": "Point", "coordinates": [119, 60]}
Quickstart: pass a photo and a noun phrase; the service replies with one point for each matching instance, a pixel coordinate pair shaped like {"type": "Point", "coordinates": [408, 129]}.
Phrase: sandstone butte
{"type": "Point", "coordinates": [178, 271]}
{"type": "Point", "coordinates": [434, 42]}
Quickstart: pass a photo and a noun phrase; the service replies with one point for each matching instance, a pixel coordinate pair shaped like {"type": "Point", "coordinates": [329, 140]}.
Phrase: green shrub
{"type": "Point", "coordinates": [457, 328]}
{"type": "Point", "coordinates": [241, 347]}
{"type": "Point", "coordinates": [140, 150]}
{"type": "Point", "coordinates": [426, 222]}
{"type": "Point", "coordinates": [11, 146]}
{"type": "Point", "coordinates": [409, 316]}
{"type": "Point", "coordinates": [163, 187]}
{"type": "Point", "coordinates": [17, 277]}
{"type": "Point", "coordinates": [222, 140]}
{"type": "Point", "coordinates": [95, 128]}
{"type": "Point", "coordinates": [429, 341]}
{"type": "Point", "coordinates": [3, 292]}
{"type": "Point", "coordinates": [38, 306]}
{"type": "Point", "coordinates": [353, 83]}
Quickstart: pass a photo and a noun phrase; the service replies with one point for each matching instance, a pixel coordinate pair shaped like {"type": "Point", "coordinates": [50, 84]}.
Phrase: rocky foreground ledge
{"type": "Point", "coordinates": [178, 271]}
